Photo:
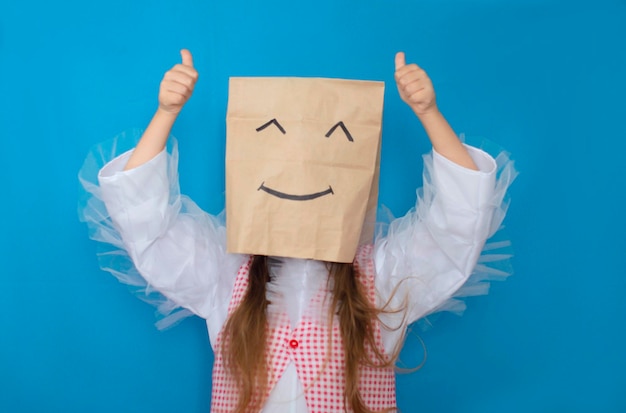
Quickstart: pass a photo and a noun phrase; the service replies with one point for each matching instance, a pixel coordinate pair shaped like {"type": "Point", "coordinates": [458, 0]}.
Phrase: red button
{"type": "Point", "coordinates": [293, 344]}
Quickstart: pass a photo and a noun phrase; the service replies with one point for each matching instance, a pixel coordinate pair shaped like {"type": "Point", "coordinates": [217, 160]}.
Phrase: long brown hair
{"type": "Point", "coordinates": [245, 335]}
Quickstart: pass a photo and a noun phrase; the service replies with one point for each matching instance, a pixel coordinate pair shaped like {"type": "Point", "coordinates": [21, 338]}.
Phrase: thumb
{"type": "Point", "coordinates": [186, 56]}
{"type": "Point", "coordinates": [400, 60]}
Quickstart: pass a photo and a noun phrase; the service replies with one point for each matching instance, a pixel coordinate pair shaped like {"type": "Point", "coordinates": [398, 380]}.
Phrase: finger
{"type": "Point", "coordinates": [400, 60]}
{"type": "Point", "coordinates": [406, 69]}
{"type": "Point", "coordinates": [182, 74]}
{"type": "Point", "coordinates": [173, 102]}
{"type": "Point", "coordinates": [420, 98]}
{"type": "Point", "coordinates": [410, 77]}
{"type": "Point", "coordinates": [187, 58]}
{"type": "Point", "coordinates": [177, 88]}
{"type": "Point", "coordinates": [414, 88]}
{"type": "Point", "coordinates": [187, 71]}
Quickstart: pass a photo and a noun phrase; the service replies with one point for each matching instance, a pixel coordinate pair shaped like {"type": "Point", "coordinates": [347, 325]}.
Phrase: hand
{"type": "Point", "coordinates": [415, 87]}
{"type": "Point", "coordinates": [177, 84]}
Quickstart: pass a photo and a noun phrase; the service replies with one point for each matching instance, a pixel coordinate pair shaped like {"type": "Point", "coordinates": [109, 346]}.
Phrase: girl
{"type": "Point", "coordinates": [293, 334]}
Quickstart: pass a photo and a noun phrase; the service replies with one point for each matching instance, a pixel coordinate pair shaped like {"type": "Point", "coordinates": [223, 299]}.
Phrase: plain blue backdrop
{"type": "Point", "coordinates": [544, 79]}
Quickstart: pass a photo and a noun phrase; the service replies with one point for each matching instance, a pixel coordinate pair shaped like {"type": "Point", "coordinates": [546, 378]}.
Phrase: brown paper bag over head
{"type": "Point", "coordinates": [302, 165]}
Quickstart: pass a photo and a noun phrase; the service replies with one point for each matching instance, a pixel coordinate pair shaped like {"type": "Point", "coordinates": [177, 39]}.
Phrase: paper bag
{"type": "Point", "coordinates": [302, 164]}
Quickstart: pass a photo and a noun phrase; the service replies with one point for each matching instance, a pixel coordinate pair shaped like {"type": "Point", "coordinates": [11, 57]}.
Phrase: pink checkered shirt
{"type": "Point", "coordinates": [306, 346]}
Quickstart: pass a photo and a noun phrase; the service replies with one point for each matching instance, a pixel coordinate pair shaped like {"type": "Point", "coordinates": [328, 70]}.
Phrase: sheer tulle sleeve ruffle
{"type": "Point", "coordinates": [437, 252]}
{"type": "Point", "coordinates": [493, 261]}
{"type": "Point", "coordinates": [151, 237]}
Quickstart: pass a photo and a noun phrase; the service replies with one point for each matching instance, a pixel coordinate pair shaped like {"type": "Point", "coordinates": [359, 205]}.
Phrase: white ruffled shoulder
{"type": "Point", "coordinates": [168, 242]}
{"type": "Point", "coordinates": [112, 254]}
{"type": "Point", "coordinates": [449, 245]}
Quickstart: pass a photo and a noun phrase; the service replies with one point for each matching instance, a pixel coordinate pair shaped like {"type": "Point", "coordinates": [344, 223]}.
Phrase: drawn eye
{"type": "Point", "coordinates": [274, 122]}
{"type": "Point", "coordinates": [345, 130]}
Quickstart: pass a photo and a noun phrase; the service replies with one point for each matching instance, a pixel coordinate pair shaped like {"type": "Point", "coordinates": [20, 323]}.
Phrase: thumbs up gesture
{"type": "Point", "coordinates": [415, 87]}
{"type": "Point", "coordinates": [177, 84]}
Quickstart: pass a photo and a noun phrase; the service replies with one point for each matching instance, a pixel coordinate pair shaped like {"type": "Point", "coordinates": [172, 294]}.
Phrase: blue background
{"type": "Point", "coordinates": [544, 79]}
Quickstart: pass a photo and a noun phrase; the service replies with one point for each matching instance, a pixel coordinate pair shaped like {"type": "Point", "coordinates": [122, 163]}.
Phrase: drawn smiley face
{"type": "Point", "coordinates": [301, 197]}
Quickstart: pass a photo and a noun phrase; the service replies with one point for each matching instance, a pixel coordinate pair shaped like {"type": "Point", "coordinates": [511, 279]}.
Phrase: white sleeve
{"type": "Point", "coordinates": [176, 247]}
{"type": "Point", "coordinates": [430, 253]}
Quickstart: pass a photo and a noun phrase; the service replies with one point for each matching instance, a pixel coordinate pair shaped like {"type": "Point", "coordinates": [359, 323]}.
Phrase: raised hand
{"type": "Point", "coordinates": [177, 84]}
{"type": "Point", "coordinates": [415, 87]}
{"type": "Point", "coordinates": [176, 89]}
{"type": "Point", "coordinates": [417, 91]}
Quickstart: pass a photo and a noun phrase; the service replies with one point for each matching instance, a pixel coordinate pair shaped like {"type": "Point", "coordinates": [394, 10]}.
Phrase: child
{"type": "Point", "coordinates": [293, 334]}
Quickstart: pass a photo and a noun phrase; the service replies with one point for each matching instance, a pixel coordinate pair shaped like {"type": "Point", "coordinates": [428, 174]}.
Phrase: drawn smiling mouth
{"type": "Point", "coordinates": [283, 195]}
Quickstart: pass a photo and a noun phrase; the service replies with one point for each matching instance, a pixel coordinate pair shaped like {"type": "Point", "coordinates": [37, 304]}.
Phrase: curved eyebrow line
{"type": "Point", "coordinates": [345, 130]}
{"type": "Point", "coordinates": [275, 122]}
